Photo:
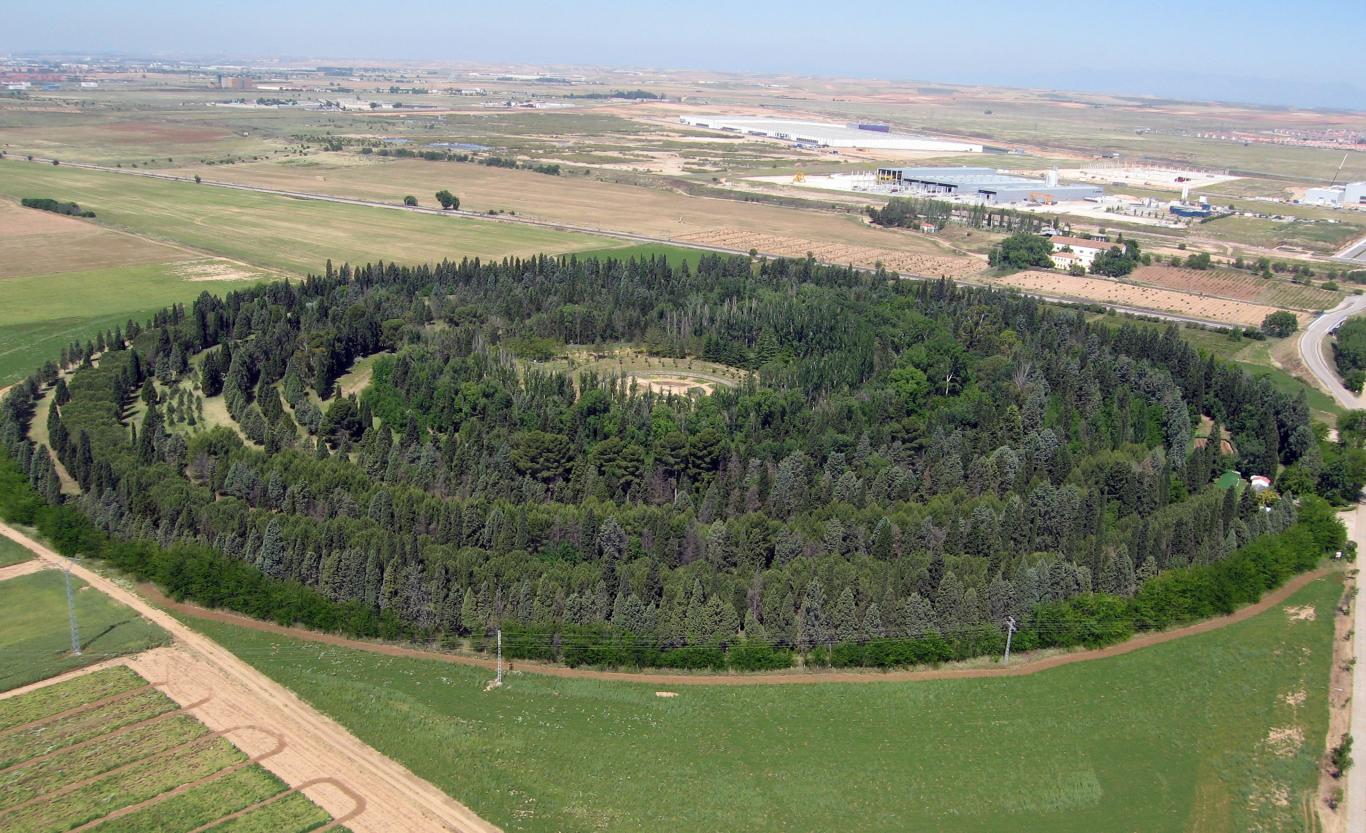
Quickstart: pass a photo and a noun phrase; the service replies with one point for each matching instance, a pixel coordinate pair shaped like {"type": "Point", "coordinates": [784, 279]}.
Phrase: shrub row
{"type": "Point", "coordinates": [71, 209]}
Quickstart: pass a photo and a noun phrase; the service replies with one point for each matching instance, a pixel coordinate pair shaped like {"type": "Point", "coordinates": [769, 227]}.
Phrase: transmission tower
{"type": "Point", "coordinates": [1010, 634]}
{"type": "Point", "coordinates": [71, 612]}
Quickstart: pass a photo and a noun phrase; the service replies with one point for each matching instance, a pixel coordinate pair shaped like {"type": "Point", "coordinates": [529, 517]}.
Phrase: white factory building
{"type": "Point", "coordinates": [821, 134]}
{"type": "Point", "coordinates": [1338, 196]}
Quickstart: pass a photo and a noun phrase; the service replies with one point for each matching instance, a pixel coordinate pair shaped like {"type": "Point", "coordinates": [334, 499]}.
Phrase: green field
{"type": "Point", "coordinates": [67, 760]}
{"type": "Point", "coordinates": [35, 642]}
{"type": "Point", "coordinates": [1204, 733]}
{"type": "Point", "coordinates": [12, 553]}
{"type": "Point", "coordinates": [269, 236]}
{"type": "Point", "coordinates": [278, 232]}
{"type": "Point", "coordinates": [41, 314]}
{"type": "Point", "coordinates": [676, 255]}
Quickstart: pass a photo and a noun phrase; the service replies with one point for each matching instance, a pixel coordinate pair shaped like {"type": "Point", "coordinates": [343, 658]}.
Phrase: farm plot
{"type": "Point", "coordinates": [35, 640]}
{"type": "Point", "coordinates": [1238, 286]}
{"type": "Point", "coordinates": [1102, 291]}
{"type": "Point", "coordinates": [12, 553]}
{"type": "Point", "coordinates": [911, 263]}
{"type": "Point", "coordinates": [34, 242]}
{"type": "Point", "coordinates": [109, 752]}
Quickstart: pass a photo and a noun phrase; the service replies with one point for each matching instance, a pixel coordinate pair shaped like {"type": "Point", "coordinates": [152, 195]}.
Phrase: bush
{"type": "Point", "coordinates": [757, 655]}
{"type": "Point", "coordinates": [1280, 324]}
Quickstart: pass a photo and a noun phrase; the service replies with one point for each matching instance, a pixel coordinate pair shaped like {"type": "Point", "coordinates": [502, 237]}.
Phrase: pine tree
{"type": "Point", "coordinates": [844, 617]}
{"type": "Point", "coordinates": [812, 628]}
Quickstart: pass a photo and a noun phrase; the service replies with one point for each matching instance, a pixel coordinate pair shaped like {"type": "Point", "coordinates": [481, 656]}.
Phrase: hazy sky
{"type": "Point", "coordinates": [1306, 53]}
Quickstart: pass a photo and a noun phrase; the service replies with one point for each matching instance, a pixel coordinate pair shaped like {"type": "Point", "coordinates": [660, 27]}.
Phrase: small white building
{"type": "Point", "coordinates": [1259, 482]}
{"type": "Point", "coordinates": [1066, 260]}
{"type": "Point", "coordinates": [1084, 250]}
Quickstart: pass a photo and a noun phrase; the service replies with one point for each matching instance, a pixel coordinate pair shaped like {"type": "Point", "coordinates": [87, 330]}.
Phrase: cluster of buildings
{"type": "Point", "coordinates": [985, 185]}
{"type": "Point", "coordinates": [823, 135]}
{"type": "Point", "coordinates": [1338, 196]}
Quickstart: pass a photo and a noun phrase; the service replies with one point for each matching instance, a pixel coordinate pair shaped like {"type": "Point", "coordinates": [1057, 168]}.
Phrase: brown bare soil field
{"type": "Point", "coordinates": [582, 201]}
{"type": "Point", "coordinates": [36, 242]}
{"type": "Point", "coordinates": [929, 265]}
{"type": "Point", "coordinates": [1237, 286]}
{"type": "Point", "coordinates": [1104, 291]}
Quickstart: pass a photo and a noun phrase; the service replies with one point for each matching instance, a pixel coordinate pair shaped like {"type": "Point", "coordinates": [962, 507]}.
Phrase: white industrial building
{"type": "Point", "coordinates": [821, 134]}
{"type": "Point", "coordinates": [1338, 196]}
{"type": "Point", "coordinates": [986, 185]}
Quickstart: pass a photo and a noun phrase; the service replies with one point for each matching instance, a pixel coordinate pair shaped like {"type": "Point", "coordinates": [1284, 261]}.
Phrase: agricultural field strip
{"type": "Point", "coordinates": [316, 746]}
{"type": "Point", "coordinates": [49, 776]}
{"type": "Point", "coordinates": [60, 783]}
{"type": "Point", "coordinates": [639, 238]}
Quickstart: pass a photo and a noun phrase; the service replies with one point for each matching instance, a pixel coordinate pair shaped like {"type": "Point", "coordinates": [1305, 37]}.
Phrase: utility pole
{"type": "Point", "coordinates": [499, 680]}
{"type": "Point", "coordinates": [71, 612]}
{"type": "Point", "coordinates": [1010, 633]}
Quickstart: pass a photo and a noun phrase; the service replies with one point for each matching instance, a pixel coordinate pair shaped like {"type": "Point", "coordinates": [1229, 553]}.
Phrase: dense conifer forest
{"type": "Point", "coordinates": [906, 467]}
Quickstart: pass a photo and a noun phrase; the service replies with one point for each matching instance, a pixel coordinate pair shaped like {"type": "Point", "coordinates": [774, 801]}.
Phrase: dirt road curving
{"type": "Point", "coordinates": [1356, 776]}
{"type": "Point", "coordinates": [321, 758]}
{"type": "Point", "coordinates": [1024, 665]}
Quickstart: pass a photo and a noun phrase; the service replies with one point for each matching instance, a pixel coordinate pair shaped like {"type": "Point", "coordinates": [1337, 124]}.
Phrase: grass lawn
{"type": "Point", "coordinates": [12, 553]}
{"type": "Point", "coordinates": [1206, 733]}
{"type": "Point", "coordinates": [35, 642]}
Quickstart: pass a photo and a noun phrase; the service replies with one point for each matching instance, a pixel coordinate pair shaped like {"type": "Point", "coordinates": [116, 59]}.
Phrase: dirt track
{"type": "Point", "coordinates": [321, 758]}
{"type": "Point", "coordinates": [23, 568]}
{"type": "Point", "coordinates": [1025, 665]}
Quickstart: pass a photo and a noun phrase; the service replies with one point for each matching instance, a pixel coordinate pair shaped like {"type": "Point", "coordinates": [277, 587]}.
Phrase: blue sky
{"type": "Point", "coordinates": [1306, 53]}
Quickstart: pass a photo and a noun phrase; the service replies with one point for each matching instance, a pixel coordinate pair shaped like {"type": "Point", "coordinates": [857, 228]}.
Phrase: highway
{"type": "Point", "coordinates": [1319, 359]}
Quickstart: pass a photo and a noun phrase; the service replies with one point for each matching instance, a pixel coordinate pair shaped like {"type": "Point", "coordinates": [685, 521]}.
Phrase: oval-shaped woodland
{"type": "Point", "coordinates": [632, 463]}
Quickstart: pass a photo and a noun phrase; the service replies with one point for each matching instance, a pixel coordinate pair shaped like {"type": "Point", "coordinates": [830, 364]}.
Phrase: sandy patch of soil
{"type": "Point", "coordinates": [195, 271]}
{"type": "Point", "coordinates": [1304, 613]}
{"type": "Point", "coordinates": [1284, 741]}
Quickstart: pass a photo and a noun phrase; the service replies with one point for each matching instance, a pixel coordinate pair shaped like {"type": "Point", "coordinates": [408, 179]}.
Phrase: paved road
{"type": "Point", "coordinates": [556, 226]}
{"type": "Point", "coordinates": [1355, 252]}
{"type": "Point", "coordinates": [1318, 358]}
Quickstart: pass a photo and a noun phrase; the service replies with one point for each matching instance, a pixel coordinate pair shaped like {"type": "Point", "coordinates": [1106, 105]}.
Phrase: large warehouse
{"type": "Point", "coordinates": [986, 185]}
{"type": "Point", "coordinates": [1339, 196]}
{"type": "Point", "coordinates": [820, 134]}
